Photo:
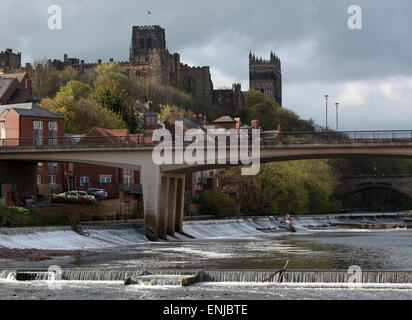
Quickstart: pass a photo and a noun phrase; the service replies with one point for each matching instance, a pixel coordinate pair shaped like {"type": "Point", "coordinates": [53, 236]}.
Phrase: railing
{"type": "Point", "coordinates": [267, 138]}
{"type": "Point", "coordinates": [131, 188]}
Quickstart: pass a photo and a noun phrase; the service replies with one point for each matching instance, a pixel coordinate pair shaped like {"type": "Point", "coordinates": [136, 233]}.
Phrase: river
{"type": "Point", "coordinates": [240, 244]}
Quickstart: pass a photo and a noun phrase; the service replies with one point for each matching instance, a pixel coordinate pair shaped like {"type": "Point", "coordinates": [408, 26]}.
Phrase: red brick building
{"type": "Point", "coordinates": [15, 88]}
{"type": "Point", "coordinates": [29, 124]}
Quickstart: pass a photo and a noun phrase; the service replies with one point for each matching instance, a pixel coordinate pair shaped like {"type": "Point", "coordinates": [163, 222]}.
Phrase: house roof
{"type": "Point", "coordinates": [224, 119]}
{"type": "Point", "coordinates": [5, 84]}
{"type": "Point", "coordinates": [19, 76]}
{"type": "Point", "coordinates": [17, 96]}
{"type": "Point", "coordinates": [191, 123]}
{"type": "Point", "coordinates": [30, 110]}
{"type": "Point", "coordinates": [143, 110]}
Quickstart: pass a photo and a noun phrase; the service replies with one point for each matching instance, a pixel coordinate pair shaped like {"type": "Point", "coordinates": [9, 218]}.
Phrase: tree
{"type": "Point", "coordinates": [218, 204]}
{"type": "Point", "coordinates": [75, 89]}
{"type": "Point", "coordinates": [270, 114]}
{"type": "Point", "coordinates": [297, 187]}
{"type": "Point", "coordinates": [82, 115]}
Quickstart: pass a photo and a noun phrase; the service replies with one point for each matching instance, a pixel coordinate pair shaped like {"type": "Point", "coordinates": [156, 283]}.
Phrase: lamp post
{"type": "Point", "coordinates": [337, 116]}
{"type": "Point", "coordinates": [326, 98]}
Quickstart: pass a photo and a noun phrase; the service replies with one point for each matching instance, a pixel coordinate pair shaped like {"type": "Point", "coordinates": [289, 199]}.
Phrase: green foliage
{"type": "Point", "coordinates": [83, 115]}
{"type": "Point", "coordinates": [270, 115]}
{"type": "Point", "coordinates": [18, 210]}
{"type": "Point", "coordinates": [75, 89]}
{"type": "Point", "coordinates": [294, 187]}
{"type": "Point", "coordinates": [218, 204]}
{"type": "Point", "coordinates": [18, 216]}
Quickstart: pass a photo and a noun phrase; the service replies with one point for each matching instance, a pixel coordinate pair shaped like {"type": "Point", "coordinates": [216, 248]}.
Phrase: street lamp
{"type": "Point", "coordinates": [326, 98]}
{"type": "Point", "coordinates": [337, 116]}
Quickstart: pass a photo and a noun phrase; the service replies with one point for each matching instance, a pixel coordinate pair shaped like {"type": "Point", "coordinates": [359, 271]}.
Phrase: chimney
{"type": "Point", "coordinates": [99, 61]}
{"type": "Point", "coordinates": [111, 60]}
{"type": "Point", "coordinates": [238, 124]}
{"type": "Point", "coordinates": [200, 117]}
{"type": "Point", "coordinates": [65, 58]}
{"type": "Point", "coordinates": [204, 120]}
{"type": "Point", "coordinates": [255, 124]}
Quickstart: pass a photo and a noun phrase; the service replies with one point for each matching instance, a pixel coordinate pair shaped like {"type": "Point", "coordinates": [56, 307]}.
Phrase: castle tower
{"type": "Point", "coordinates": [266, 76]}
{"type": "Point", "coordinates": [145, 38]}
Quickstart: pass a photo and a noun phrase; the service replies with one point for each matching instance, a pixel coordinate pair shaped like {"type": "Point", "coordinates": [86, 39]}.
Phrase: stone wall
{"type": "Point", "coordinates": [21, 174]}
{"type": "Point", "coordinates": [107, 210]}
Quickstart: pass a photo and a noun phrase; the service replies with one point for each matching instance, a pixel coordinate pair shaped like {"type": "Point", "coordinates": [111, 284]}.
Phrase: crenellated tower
{"type": "Point", "coordinates": [266, 76]}
{"type": "Point", "coordinates": [145, 39]}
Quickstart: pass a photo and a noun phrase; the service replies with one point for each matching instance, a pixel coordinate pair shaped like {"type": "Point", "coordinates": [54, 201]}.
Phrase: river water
{"type": "Point", "coordinates": [241, 244]}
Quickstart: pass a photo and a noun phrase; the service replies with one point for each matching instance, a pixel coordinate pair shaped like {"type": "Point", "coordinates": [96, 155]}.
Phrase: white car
{"type": "Point", "coordinates": [75, 193]}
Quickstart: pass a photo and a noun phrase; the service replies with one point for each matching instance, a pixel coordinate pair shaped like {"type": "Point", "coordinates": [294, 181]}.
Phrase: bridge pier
{"type": "Point", "coordinates": [163, 197]}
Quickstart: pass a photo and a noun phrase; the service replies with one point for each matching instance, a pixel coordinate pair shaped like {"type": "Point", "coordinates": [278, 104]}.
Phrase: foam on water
{"type": "Point", "coordinates": [96, 237]}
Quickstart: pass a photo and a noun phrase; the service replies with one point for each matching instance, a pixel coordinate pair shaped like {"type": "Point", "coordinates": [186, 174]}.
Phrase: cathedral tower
{"type": "Point", "coordinates": [266, 76]}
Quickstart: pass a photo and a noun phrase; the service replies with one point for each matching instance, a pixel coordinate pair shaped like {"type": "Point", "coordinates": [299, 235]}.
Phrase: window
{"type": "Point", "coordinates": [70, 166]}
{"type": "Point", "coordinates": [52, 179]}
{"type": "Point", "coordinates": [126, 171]}
{"type": "Point", "coordinates": [2, 125]}
{"type": "Point", "coordinates": [84, 181]}
{"type": "Point", "coordinates": [38, 179]}
{"type": "Point", "coordinates": [127, 180]}
{"type": "Point", "coordinates": [52, 164]}
{"type": "Point", "coordinates": [40, 164]}
{"type": "Point", "coordinates": [198, 177]}
{"type": "Point", "coordinates": [38, 125]}
{"type": "Point", "coordinates": [53, 125]}
{"type": "Point", "coordinates": [105, 179]}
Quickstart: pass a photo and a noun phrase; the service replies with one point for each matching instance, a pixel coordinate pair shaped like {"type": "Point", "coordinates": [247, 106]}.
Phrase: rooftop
{"type": "Point", "coordinates": [30, 110]}
{"type": "Point", "coordinates": [224, 119]}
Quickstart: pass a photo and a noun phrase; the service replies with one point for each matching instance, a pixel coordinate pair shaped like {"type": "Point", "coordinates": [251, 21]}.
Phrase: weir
{"type": "Point", "coordinates": [239, 276]}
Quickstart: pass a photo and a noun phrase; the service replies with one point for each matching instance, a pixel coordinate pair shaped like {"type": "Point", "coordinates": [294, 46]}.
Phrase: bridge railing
{"type": "Point", "coordinates": [267, 138]}
{"type": "Point", "coordinates": [344, 137]}
{"type": "Point", "coordinates": [78, 141]}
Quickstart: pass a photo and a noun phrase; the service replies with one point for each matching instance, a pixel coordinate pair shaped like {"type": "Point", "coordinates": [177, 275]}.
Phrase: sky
{"type": "Point", "coordinates": [368, 70]}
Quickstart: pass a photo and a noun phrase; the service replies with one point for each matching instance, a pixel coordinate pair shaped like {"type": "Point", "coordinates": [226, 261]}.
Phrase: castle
{"type": "Point", "coordinates": [150, 58]}
{"type": "Point", "coordinates": [9, 61]}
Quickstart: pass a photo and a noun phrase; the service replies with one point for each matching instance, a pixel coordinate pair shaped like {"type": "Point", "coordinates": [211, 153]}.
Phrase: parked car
{"type": "Point", "coordinates": [97, 193]}
{"type": "Point", "coordinates": [77, 193]}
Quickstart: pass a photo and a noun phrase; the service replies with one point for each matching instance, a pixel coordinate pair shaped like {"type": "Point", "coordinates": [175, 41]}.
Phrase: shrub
{"type": "Point", "coordinates": [218, 204]}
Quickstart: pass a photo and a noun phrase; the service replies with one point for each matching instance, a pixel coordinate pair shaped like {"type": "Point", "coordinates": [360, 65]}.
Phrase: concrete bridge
{"type": "Point", "coordinates": [163, 185]}
{"type": "Point", "coordinates": [356, 184]}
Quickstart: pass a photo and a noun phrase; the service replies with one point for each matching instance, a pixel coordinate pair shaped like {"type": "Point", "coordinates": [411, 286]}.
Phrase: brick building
{"type": "Point", "coordinates": [15, 88]}
{"type": "Point", "coordinates": [29, 124]}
